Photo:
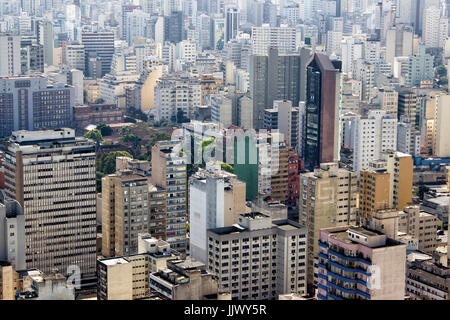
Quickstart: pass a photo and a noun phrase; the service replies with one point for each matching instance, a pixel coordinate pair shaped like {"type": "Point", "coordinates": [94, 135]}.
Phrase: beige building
{"type": "Point", "coordinates": [146, 86]}
{"type": "Point", "coordinates": [428, 280]}
{"type": "Point", "coordinates": [127, 277]}
{"type": "Point", "coordinates": [8, 281]}
{"type": "Point", "coordinates": [125, 212]}
{"type": "Point", "coordinates": [389, 101]}
{"type": "Point", "coordinates": [92, 89]}
{"type": "Point", "coordinates": [436, 113]}
{"type": "Point", "coordinates": [115, 279]}
{"type": "Point", "coordinates": [185, 280]}
{"type": "Point", "coordinates": [442, 127]}
{"type": "Point", "coordinates": [327, 199]}
{"type": "Point", "coordinates": [421, 226]}
{"type": "Point", "coordinates": [386, 184]}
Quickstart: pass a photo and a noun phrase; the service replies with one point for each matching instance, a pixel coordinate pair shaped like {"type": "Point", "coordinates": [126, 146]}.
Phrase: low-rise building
{"type": "Point", "coordinates": [127, 277]}
{"type": "Point", "coordinates": [428, 280]}
{"type": "Point", "coordinates": [95, 114]}
{"type": "Point", "coordinates": [37, 285]}
{"type": "Point", "coordinates": [184, 280]}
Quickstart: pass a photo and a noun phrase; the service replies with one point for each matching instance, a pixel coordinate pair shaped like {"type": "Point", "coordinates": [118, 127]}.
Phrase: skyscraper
{"type": "Point", "coordinates": [231, 23]}
{"type": "Point", "coordinates": [52, 175]}
{"type": "Point", "coordinates": [323, 103]}
{"type": "Point", "coordinates": [98, 45]}
{"type": "Point", "coordinates": [169, 172]}
{"type": "Point", "coordinates": [327, 199]}
{"type": "Point", "coordinates": [126, 9]}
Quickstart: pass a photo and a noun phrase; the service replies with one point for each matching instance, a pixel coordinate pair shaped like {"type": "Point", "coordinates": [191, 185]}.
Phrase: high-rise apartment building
{"type": "Point", "coordinates": [420, 67]}
{"type": "Point", "coordinates": [75, 56]}
{"type": "Point", "coordinates": [12, 227]}
{"type": "Point", "coordinates": [173, 27]}
{"type": "Point", "coordinates": [259, 258]}
{"type": "Point", "coordinates": [323, 105]}
{"type": "Point", "coordinates": [9, 56]}
{"type": "Point", "coordinates": [45, 37]}
{"type": "Point", "coordinates": [173, 95]}
{"type": "Point", "coordinates": [169, 172]}
{"type": "Point", "coordinates": [126, 10]}
{"type": "Point", "coordinates": [372, 136]}
{"type": "Point", "coordinates": [327, 199]}
{"type": "Point", "coordinates": [399, 42]}
{"type": "Point", "coordinates": [407, 106]}
{"type": "Point", "coordinates": [389, 101]}
{"type": "Point", "coordinates": [125, 212]}
{"type": "Point", "coordinates": [29, 103]}
{"type": "Point", "coordinates": [432, 23]}
{"type": "Point", "coordinates": [408, 139]}
{"type": "Point", "coordinates": [282, 38]}
{"type": "Point", "coordinates": [442, 128]}
{"type": "Point", "coordinates": [359, 263]}
{"type": "Point", "coordinates": [52, 175]}
{"type": "Point", "coordinates": [386, 184]}
{"type": "Point", "coordinates": [216, 199]}
{"type": "Point", "coordinates": [285, 118]}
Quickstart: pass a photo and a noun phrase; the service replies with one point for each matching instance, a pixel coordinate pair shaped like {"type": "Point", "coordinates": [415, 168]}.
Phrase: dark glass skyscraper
{"type": "Point", "coordinates": [231, 24]}
{"type": "Point", "coordinates": [322, 111]}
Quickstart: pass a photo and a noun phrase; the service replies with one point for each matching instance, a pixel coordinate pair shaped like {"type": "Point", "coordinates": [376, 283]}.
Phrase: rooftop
{"type": "Point", "coordinates": [114, 261]}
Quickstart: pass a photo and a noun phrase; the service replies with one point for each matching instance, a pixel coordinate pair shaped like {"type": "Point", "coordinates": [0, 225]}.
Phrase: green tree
{"type": "Point", "coordinates": [207, 144]}
{"type": "Point", "coordinates": [99, 101]}
{"type": "Point", "coordinates": [129, 119]}
{"type": "Point", "coordinates": [104, 129]}
{"type": "Point", "coordinates": [94, 135]}
{"type": "Point", "coordinates": [153, 139]}
{"type": "Point", "coordinates": [226, 167]}
{"type": "Point", "coordinates": [123, 131]}
{"type": "Point", "coordinates": [106, 163]}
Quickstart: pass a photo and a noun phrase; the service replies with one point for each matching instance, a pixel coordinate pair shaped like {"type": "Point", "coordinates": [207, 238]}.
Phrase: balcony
{"type": "Point", "coordinates": [349, 291]}
{"type": "Point", "coordinates": [342, 255]}
{"type": "Point", "coordinates": [339, 266]}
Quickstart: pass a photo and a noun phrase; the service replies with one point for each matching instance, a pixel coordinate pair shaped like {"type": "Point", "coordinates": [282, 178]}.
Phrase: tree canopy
{"type": "Point", "coordinates": [94, 135]}
{"type": "Point", "coordinates": [106, 163]}
{"type": "Point", "coordinates": [104, 129]}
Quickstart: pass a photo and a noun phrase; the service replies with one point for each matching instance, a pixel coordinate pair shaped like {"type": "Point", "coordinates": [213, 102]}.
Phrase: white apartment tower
{"type": "Point", "coordinates": [372, 136]}
{"type": "Point", "coordinates": [282, 38]}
